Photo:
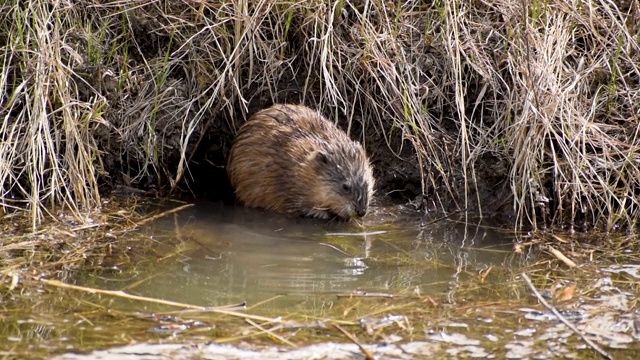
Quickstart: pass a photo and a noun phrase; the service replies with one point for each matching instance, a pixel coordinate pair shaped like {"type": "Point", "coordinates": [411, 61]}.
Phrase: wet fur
{"type": "Point", "coordinates": [290, 159]}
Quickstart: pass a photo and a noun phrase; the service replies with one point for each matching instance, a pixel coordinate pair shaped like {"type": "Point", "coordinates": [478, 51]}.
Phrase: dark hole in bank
{"type": "Point", "coordinates": [206, 177]}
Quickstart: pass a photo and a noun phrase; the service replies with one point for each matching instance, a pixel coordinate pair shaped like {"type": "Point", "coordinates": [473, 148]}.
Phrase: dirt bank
{"type": "Point", "coordinates": [525, 113]}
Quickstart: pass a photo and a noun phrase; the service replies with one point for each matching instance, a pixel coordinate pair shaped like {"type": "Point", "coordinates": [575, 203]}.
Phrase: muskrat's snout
{"type": "Point", "coordinates": [361, 203]}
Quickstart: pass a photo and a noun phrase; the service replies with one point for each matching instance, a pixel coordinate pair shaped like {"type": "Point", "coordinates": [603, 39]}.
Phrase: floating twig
{"type": "Point", "coordinates": [367, 354]}
{"type": "Point", "coordinates": [265, 301]}
{"type": "Point", "coordinates": [124, 295]}
{"type": "Point", "coordinates": [271, 333]}
{"type": "Point", "coordinates": [85, 227]}
{"type": "Point", "coordinates": [573, 328]}
{"type": "Point", "coordinates": [363, 233]}
{"type": "Point", "coordinates": [336, 248]}
{"type": "Point", "coordinates": [444, 217]}
{"type": "Point", "coordinates": [365, 294]}
{"type": "Point", "coordinates": [560, 256]}
{"type": "Point", "coordinates": [162, 214]}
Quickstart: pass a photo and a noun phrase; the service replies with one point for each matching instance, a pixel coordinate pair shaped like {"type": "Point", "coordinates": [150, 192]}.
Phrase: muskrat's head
{"type": "Point", "coordinates": [343, 184]}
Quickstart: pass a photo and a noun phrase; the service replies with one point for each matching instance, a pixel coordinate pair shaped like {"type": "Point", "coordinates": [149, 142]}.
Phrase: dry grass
{"type": "Point", "coordinates": [118, 91]}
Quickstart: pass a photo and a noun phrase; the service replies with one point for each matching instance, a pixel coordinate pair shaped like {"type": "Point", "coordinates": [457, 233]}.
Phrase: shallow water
{"type": "Point", "coordinates": [232, 255]}
{"type": "Point", "coordinates": [396, 279]}
{"type": "Point", "coordinates": [211, 254]}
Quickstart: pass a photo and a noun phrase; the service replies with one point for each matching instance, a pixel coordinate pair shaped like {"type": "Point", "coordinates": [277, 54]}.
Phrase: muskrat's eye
{"type": "Point", "coordinates": [346, 187]}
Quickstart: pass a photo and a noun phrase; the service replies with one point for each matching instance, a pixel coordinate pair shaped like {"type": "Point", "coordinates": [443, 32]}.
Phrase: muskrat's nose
{"type": "Point", "coordinates": [361, 212]}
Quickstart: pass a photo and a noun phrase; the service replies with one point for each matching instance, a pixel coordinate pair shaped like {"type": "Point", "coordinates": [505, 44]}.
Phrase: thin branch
{"type": "Point", "coordinates": [573, 328]}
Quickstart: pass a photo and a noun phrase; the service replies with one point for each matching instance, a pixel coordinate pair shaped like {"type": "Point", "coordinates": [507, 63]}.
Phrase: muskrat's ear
{"type": "Point", "coordinates": [322, 157]}
{"type": "Point", "coordinates": [318, 156]}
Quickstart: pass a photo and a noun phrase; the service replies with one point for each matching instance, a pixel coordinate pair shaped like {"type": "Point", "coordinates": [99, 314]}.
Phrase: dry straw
{"type": "Point", "coordinates": [541, 95]}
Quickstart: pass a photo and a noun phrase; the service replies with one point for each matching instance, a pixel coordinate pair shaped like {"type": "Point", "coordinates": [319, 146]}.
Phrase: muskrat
{"type": "Point", "coordinates": [291, 159]}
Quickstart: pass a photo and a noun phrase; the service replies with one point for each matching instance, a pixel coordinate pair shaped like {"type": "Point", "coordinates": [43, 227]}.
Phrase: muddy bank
{"type": "Point", "coordinates": [501, 109]}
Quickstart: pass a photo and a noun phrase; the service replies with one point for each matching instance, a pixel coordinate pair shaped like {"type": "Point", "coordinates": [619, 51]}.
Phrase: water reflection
{"type": "Point", "coordinates": [235, 255]}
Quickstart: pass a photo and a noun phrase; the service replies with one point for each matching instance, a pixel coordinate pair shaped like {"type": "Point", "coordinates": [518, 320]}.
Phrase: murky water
{"type": "Point", "coordinates": [215, 255]}
{"type": "Point", "coordinates": [397, 280]}
{"type": "Point", "coordinates": [232, 255]}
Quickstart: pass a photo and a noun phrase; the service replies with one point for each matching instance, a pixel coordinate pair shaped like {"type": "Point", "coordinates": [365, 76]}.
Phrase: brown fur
{"type": "Point", "coordinates": [290, 159]}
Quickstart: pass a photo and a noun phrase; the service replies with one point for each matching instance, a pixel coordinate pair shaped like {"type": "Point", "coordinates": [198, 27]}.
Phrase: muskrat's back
{"type": "Point", "coordinates": [290, 159]}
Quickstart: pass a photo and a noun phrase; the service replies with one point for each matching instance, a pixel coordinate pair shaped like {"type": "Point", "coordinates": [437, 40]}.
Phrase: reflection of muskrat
{"type": "Point", "coordinates": [290, 159]}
